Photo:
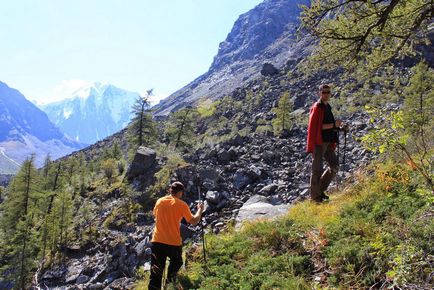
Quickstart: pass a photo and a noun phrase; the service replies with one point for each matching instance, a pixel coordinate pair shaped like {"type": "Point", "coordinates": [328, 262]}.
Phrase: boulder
{"type": "Point", "coordinates": [213, 197]}
{"type": "Point", "coordinates": [223, 156]}
{"type": "Point", "coordinates": [241, 179]}
{"type": "Point", "coordinates": [268, 189]}
{"type": "Point", "coordinates": [74, 271]}
{"type": "Point", "coordinates": [142, 246]}
{"type": "Point", "coordinates": [269, 70]}
{"type": "Point", "coordinates": [254, 171]}
{"type": "Point", "coordinates": [258, 207]}
{"type": "Point", "coordinates": [82, 279]}
{"type": "Point", "coordinates": [217, 200]}
{"type": "Point", "coordinates": [144, 163]}
{"type": "Point", "coordinates": [209, 173]}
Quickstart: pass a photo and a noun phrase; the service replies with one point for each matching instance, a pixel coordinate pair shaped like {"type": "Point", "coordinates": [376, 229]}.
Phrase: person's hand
{"type": "Point", "coordinates": [345, 128]}
{"type": "Point", "coordinates": [338, 123]}
{"type": "Point", "coordinates": [200, 206]}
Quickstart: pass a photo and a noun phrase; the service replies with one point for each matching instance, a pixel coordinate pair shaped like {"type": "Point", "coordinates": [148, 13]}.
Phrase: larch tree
{"type": "Point", "coordinates": [366, 34]}
{"type": "Point", "coordinates": [18, 220]}
{"type": "Point", "coordinates": [181, 126]}
{"type": "Point", "coordinates": [142, 129]}
{"type": "Point", "coordinates": [282, 121]}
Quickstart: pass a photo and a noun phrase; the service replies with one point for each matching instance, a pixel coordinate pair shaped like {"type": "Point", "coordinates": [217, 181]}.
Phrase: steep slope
{"type": "Point", "coordinates": [92, 113]}
{"type": "Point", "coordinates": [240, 158]}
{"type": "Point", "coordinates": [266, 33]}
{"type": "Point", "coordinates": [26, 130]}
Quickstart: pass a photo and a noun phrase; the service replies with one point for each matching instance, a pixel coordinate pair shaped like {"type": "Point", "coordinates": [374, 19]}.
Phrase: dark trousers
{"type": "Point", "coordinates": [320, 179]}
{"type": "Point", "coordinates": [160, 252]}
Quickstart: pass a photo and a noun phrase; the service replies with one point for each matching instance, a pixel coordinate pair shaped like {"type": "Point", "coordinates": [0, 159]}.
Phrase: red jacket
{"type": "Point", "coordinates": [314, 129]}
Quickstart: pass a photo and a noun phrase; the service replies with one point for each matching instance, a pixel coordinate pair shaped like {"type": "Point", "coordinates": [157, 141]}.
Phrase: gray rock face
{"type": "Point", "coordinates": [256, 30]}
{"type": "Point", "coordinates": [144, 163]}
{"type": "Point", "coordinates": [259, 207]}
{"type": "Point", "coordinates": [265, 34]}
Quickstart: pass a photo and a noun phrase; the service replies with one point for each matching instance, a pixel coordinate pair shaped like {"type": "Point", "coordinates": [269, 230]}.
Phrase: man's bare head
{"type": "Point", "coordinates": [325, 92]}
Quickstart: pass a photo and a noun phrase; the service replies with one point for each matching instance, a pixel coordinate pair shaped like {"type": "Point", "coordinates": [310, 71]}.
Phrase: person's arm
{"type": "Point", "coordinates": [196, 218]}
{"type": "Point", "coordinates": [337, 124]}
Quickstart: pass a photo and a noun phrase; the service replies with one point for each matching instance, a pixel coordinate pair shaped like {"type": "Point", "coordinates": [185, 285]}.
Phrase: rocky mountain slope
{"type": "Point", "coordinates": [250, 172]}
{"type": "Point", "coordinates": [26, 130]}
{"type": "Point", "coordinates": [92, 113]}
{"type": "Point", "coordinates": [265, 34]}
{"type": "Point", "coordinates": [239, 167]}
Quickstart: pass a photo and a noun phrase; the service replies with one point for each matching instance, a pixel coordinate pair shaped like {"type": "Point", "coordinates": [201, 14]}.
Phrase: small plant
{"type": "Point", "coordinates": [109, 169]}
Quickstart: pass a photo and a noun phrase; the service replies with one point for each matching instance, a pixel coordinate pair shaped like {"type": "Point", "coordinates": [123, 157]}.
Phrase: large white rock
{"type": "Point", "coordinates": [258, 207]}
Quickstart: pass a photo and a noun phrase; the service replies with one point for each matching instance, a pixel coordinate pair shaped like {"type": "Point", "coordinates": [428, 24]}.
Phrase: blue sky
{"type": "Point", "coordinates": [48, 48]}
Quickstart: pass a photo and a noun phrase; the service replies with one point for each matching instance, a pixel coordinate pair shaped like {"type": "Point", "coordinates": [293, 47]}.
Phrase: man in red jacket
{"type": "Point", "coordinates": [322, 137]}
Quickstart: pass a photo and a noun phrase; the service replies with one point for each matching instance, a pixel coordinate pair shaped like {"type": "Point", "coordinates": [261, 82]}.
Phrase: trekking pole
{"type": "Point", "coordinates": [345, 145]}
{"type": "Point", "coordinates": [337, 173]}
{"type": "Point", "coordinates": [202, 231]}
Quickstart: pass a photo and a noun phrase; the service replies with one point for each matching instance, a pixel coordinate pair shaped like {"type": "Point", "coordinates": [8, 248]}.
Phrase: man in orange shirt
{"type": "Point", "coordinates": [166, 239]}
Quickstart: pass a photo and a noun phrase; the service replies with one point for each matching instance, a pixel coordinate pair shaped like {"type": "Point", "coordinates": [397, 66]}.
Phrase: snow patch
{"type": "Point", "coordinates": [2, 152]}
{"type": "Point", "coordinates": [66, 113]}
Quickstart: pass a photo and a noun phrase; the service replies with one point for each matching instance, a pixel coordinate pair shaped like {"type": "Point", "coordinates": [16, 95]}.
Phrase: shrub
{"type": "Point", "coordinates": [109, 168]}
{"type": "Point", "coordinates": [207, 108]}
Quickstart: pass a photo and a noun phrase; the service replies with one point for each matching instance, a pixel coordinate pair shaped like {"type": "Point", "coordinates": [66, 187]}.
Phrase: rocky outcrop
{"type": "Point", "coordinates": [269, 70]}
{"type": "Point", "coordinates": [109, 264]}
{"type": "Point", "coordinates": [265, 34]}
{"type": "Point", "coordinates": [144, 164]}
{"type": "Point", "coordinates": [256, 30]}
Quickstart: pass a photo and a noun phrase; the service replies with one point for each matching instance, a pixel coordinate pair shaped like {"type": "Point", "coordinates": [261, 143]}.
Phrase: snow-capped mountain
{"type": "Point", "coordinates": [26, 130]}
{"type": "Point", "coordinates": [92, 112]}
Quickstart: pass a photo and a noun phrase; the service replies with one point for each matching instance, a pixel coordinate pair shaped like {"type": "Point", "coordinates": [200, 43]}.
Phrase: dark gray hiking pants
{"type": "Point", "coordinates": [320, 179]}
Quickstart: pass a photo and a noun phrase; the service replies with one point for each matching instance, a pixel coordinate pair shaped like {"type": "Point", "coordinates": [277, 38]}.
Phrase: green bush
{"type": "Point", "coordinates": [379, 237]}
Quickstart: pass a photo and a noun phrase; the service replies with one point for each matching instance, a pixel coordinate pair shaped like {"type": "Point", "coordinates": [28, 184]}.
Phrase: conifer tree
{"type": "Point", "coordinates": [18, 218]}
{"type": "Point", "coordinates": [367, 34]}
{"type": "Point", "coordinates": [64, 212]}
{"type": "Point", "coordinates": [282, 121]}
{"type": "Point", "coordinates": [57, 184]}
{"type": "Point", "coordinates": [116, 151]}
{"type": "Point", "coordinates": [142, 129]}
{"type": "Point", "coordinates": [46, 169]}
{"type": "Point", "coordinates": [181, 126]}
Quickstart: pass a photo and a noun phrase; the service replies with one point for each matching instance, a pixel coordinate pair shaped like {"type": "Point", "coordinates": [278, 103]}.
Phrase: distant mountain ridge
{"type": "Point", "coordinates": [92, 112]}
{"type": "Point", "coordinates": [267, 33]}
{"type": "Point", "coordinates": [26, 130]}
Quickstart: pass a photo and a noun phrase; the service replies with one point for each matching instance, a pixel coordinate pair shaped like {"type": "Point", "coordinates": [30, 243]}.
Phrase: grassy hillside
{"type": "Point", "coordinates": [377, 233]}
